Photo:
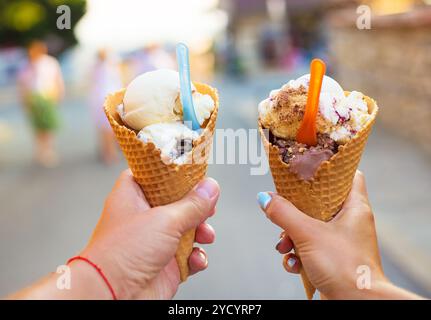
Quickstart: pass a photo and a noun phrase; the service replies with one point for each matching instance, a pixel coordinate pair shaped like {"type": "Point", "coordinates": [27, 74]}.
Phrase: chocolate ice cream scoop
{"type": "Point", "coordinates": [302, 159]}
{"type": "Point", "coordinates": [306, 164]}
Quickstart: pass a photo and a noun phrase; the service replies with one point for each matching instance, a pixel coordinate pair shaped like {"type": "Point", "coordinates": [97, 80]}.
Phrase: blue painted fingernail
{"type": "Point", "coordinates": [291, 262]}
{"type": "Point", "coordinates": [264, 199]}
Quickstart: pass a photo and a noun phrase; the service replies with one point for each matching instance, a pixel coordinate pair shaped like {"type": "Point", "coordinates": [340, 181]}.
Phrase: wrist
{"type": "Point", "coordinates": [78, 282]}
{"type": "Point", "coordinates": [87, 283]}
{"type": "Point", "coordinates": [379, 289]}
{"type": "Point", "coordinates": [112, 270]}
{"type": "Point", "coordinates": [348, 287]}
{"type": "Point", "coordinates": [386, 290]}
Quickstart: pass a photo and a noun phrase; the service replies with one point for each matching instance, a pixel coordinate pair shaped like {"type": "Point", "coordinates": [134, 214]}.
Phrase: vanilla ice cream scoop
{"type": "Point", "coordinates": [329, 85]}
{"type": "Point", "coordinates": [150, 98]}
{"type": "Point", "coordinates": [153, 97]}
{"type": "Point", "coordinates": [173, 139]}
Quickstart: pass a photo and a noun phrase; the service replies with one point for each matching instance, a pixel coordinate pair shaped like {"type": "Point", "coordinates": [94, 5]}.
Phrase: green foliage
{"type": "Point", "coordinates": [24, 20]}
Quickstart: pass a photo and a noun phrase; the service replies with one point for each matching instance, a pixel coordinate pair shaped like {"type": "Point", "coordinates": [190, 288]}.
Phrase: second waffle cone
{"type": "Point", "coordinates": [323, 196]}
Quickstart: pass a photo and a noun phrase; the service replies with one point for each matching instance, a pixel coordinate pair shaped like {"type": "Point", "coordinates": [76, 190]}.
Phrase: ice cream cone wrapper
{"type": "Point", "coordinates": [165, 183]}
{"type": "Point", "coordinates": [323, 196]}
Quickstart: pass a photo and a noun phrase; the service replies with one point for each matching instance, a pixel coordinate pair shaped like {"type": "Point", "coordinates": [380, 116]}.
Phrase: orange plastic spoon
{"type": "Point", "coordinates": [307, 131]}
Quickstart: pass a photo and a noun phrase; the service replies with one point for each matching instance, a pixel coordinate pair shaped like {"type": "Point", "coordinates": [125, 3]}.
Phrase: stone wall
{"type": "Point", "coordinates": [391, 63]}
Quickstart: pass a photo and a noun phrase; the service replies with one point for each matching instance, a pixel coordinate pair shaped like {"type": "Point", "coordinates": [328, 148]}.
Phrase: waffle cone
{"type": "Point", "coordinates": [323, 196]}
{"type": "Point", "coordinates": [164, 183]}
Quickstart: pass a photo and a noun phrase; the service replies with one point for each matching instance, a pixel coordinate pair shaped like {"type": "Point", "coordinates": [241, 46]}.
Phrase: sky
{"type": "Point", "coordinates": [129, 24]}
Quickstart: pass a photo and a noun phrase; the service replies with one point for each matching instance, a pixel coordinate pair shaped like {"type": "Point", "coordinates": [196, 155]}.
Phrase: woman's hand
{"type": "Point", "coordinates": [335, 254]}
{"type": "Point", "coordinates": [135, 245]}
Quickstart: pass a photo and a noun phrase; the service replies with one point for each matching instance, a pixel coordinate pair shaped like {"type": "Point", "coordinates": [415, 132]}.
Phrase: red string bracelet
{"type": "Point", "coordinates": [99, 271]}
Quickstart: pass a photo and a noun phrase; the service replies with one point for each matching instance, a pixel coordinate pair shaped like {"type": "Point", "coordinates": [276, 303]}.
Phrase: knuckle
{"type": "Point", "coordinates": [364, 212]}
{"type": "Point", "coordinates": [167, 219]}
{"type": "Point", "coordinates": [125, 174]}
{"type": "Point", "coordinates": [197, 204]}
{"type": "Point", "coordinates": [370, 215]}
{"type": "Point", "coordinates": [360, 176]}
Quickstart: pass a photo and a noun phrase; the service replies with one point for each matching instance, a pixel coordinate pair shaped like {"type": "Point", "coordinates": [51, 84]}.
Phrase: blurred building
{"type": "Point", "coordinates": [390, 62]}
{"type": "Point", "coordinates": [274, 34]}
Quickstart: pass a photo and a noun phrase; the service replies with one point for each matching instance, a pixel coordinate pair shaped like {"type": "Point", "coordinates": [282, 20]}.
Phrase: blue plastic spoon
{"type": "Point", "coordinates": [189, 115]}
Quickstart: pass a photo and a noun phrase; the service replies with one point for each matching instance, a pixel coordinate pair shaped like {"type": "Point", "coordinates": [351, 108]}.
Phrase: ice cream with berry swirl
{"type": "Point", "coordinates": [340, 116]}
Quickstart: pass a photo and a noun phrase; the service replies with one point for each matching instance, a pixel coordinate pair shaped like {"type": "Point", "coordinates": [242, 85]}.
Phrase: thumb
{"type": "Point", "coordinates": [284, 214]}
{"type": "Point", "coordinates": [196, 206]}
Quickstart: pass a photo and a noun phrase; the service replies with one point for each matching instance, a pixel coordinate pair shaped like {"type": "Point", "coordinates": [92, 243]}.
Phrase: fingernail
{"type": "Point", "coordinates": [203, 256]}
{"type": "Point", "coordinates": [278, 244]}
{"type": "Point", "coordinates": [291, 262]}
{"type": "Point", "coordinates": [207, 188]}
{"type": "Point", "coordinates": [263, 198]}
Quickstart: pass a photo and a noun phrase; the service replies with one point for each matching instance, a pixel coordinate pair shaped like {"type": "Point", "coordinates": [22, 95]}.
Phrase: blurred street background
{"type": "Point", "coordinates": [52, 195]}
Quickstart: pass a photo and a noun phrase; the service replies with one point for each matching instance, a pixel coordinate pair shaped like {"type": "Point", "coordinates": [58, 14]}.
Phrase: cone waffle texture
{"type": "Point", "coordinates": [164, 183]}
{"type": "Point", "coordinates": [323, 196]}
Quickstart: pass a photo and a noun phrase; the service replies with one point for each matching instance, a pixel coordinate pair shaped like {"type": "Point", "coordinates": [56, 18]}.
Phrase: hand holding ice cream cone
{"type": "Point", "coordinates": [142, 241]}
{"type": "Point", "coordinates": [328, 252]}
{"type": "Point", "coordinates": [315, 135]}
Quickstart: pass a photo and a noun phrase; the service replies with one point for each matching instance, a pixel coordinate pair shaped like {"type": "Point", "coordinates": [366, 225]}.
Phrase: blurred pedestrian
{"type": "Point", "coordinates": [41, 88]}
{"type": "Point", "coordinates": [150, 58]}
{"type": "Point", "coordinates": [106, 78]}
{"type": "Point", "coordinates": [159, 58]}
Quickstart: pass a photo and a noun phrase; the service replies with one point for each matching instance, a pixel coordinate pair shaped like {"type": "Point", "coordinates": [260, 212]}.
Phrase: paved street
{"type": "Point", "coordinates": [47, 215]}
